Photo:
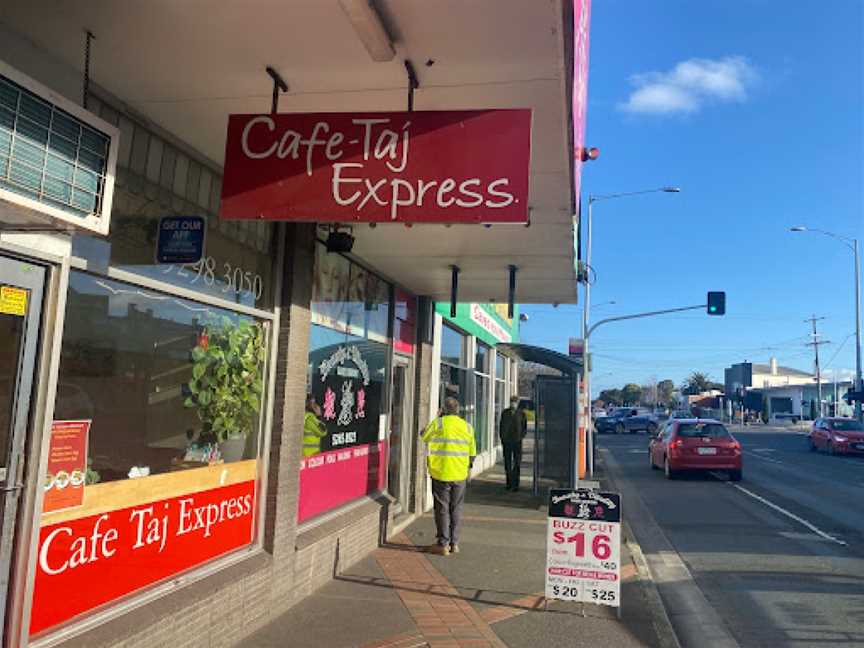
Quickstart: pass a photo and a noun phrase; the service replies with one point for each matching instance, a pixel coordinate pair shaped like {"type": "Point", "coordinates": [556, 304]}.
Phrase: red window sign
{"type": "Point", "coordinates": [332, 478]}
{"type": "Point", "coordinates": [67, 465]}
{"type": "Point", "coordinates": [87, 562]}
{"type": "Point", "coordinates": [467, 166]}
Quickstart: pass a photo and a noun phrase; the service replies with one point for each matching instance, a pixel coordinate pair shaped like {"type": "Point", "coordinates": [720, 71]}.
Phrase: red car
{"type": "Point", "coordinates": [695, 444]}
{"type": "Point", "coordinates": [836, 436]}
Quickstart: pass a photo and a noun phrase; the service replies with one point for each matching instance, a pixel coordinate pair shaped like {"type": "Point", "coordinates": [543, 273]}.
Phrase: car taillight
{"type": "Point", "coordinates": [736, 447]}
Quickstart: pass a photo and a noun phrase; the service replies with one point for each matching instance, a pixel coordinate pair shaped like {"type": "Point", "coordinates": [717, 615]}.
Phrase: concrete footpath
{"type": "Point", "coordinates": [489, 595]}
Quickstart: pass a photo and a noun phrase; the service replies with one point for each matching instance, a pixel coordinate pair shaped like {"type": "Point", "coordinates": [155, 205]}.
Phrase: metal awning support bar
{"type": "Point", "coordinates": [511, 293]}
{"type": "Point", "coordinates": [454, 289]}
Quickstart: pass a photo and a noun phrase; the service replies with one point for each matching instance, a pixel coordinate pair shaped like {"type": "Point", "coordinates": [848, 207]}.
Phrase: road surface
{"type": "Point", "coordinates": [780, 555]}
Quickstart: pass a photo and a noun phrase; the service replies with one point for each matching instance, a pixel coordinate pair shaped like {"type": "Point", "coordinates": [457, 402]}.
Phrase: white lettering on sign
{"type": "Point", "coordinates": [83, 549]}
{"type": "Point", "coordinates": [348, 184]}
{"type": "Point", "coordinates": [489, 324]}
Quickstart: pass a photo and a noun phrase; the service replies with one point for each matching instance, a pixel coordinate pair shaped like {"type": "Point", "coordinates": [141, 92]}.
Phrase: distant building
{"type": "Point", "coordinates": [749, 375]}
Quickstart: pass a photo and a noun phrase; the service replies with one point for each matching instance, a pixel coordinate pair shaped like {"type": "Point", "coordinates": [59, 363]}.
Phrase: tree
{"type": "Point", "coordinates": [665, 389]}
{"type": "Point", "coordinates": [528, 372]}
{"type": "Point", "coordinates": [631, 394]}
{"type": "Point", "coordinates": [611, 396]}
{"type": "Point", "coordinates": [696, 383]}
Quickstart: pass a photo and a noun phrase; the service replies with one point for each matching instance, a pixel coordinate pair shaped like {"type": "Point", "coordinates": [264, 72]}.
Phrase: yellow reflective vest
{"type": "Point", "coordinates": [313, 431]}
{"type": "Point", "coordinates": [451, 445]}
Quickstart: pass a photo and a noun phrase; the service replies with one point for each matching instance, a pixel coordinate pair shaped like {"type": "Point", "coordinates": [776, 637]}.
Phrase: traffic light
{"type": "Point", "coordinates": [716, 303]}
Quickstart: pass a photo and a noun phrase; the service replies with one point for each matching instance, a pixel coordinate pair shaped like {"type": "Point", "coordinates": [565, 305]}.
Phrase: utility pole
{"type": "Point", "coordinates": [815, 344]}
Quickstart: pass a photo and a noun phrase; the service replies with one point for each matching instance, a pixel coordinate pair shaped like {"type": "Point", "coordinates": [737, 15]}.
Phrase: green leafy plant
{"type": "Point", "coordinates": [227, 383]}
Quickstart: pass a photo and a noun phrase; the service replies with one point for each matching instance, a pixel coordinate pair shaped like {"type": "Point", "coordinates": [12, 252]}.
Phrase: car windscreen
{"type": "Point", "coordinates": [621, 411]}
{"type": "Point", "coordinates": [847, 426]}
{"type": "Point", "coordinates": [695, 430]}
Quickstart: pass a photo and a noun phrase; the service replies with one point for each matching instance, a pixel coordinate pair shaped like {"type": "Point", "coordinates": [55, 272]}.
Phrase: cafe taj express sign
{"type": "Point", "coordinates": [468, 166]}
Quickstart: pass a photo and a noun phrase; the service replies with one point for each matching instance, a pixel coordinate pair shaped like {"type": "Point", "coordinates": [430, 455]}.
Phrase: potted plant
{"type": "Point", "coordinates": [226, 386]}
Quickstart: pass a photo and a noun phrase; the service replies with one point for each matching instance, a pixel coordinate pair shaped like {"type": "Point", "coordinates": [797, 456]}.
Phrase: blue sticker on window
{"type": "Point", "coordinates": [181, 239]}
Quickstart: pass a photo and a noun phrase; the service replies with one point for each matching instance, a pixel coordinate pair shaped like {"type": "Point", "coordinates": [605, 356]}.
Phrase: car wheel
{"type": "Point", "coordinates": [811, 444]}
{"type": "Point", "coordinates": [670, 474]}
{"type": "Point", "coordinates": [735, 475]}
{"type": "Point", "coordinates": [619, 429]}
{"type": "Point", "coordinates": [830, 449]}
{"type": "Point", "coordinates": [652, 429]}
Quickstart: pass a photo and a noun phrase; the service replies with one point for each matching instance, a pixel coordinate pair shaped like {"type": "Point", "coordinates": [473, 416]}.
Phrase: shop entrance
{"type": "Point", "coordinates": [21, 288]}
{"type": "Point", "coordinates": [400, 442]}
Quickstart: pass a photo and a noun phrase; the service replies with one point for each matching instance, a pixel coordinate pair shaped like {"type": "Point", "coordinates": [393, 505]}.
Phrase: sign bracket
{"type": "Point", "coordinates": [278, 85]}
{"type": "Point", "coordinates": [413, 83]}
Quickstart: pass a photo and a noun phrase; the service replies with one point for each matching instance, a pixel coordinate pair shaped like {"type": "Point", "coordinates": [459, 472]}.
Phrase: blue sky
{"type": "Point", "coordinates": [755, 108]}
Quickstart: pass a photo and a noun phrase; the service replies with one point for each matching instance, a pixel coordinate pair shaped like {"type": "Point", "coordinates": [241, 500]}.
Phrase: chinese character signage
{"type": "Point", "coordinates": [583, 546]}
{"type": "Point", "coordinates": [468, 166]}
{"type": "Point", "coordinates": [349, 398]}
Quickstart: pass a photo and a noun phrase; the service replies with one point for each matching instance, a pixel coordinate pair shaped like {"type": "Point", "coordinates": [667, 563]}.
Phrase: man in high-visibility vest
{"type": "Point", "coordinates": [313, 428]}
{"type": "Point", "coordinates": [451, 455]}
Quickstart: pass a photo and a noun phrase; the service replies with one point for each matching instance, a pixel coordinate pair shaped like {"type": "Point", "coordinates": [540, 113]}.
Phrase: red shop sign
{"type": "Point", "coordinates": [84, 563]}
{"type": "Point", "coordinates": [468, 166]}
{"type": "Point", "coordinates": [67, 465]}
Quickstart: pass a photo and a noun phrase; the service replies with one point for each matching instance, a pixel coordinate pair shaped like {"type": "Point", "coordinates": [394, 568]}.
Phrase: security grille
{"type": "Point", "coordinates": [48, 155]}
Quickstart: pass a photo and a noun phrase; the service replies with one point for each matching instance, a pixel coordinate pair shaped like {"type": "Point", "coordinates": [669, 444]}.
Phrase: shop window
{"type": "Point", "coordinates": [404, 322]}
{"type": "Point", "coordinates": [456, 379]}
{"type": "Point", "coordinates": [453, 346]}
{"type": "Point", "coordinates": [238, 262]}
{"type": "Point", "coordinates": [348, 378]}
{"type": "Point", "coordinates": [483, 387]}
{"type": "Point", "coordinates": [157, 425]}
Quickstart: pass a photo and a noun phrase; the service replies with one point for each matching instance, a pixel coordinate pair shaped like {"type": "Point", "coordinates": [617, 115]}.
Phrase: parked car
{"type": "Point", "coordinates": [681, 414]}
{"type": "Point", "coordinates": [627, 419]}
{"type": "Point", "coordinates": [836, 436]}
{"type": "Point", "coordinates": [695, 445]}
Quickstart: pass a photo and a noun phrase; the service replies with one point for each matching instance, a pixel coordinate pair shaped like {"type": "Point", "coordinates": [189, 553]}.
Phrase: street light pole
{"type": "Point", "coordinates": [852, 244]}
{"type": "Point", "coordinates": [589, 426]}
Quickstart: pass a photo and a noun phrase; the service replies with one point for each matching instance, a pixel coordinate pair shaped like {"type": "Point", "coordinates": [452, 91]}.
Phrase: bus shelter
{"type": "Point", "coordinates": [560, 453]}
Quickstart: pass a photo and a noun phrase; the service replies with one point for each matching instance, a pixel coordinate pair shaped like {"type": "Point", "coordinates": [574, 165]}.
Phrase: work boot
{"type": "Point", "coordinates": [454, 548]}
{"type": "Point", "coordinates": [439, 550]}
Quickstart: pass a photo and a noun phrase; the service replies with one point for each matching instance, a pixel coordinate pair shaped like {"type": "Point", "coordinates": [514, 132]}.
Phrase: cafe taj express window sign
{"type": "Point", "coordinates": [158, 413]}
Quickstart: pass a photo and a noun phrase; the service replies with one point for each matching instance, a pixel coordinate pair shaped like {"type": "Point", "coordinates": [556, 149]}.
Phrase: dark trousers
{"type": "Point", "coordinates": [512, 463]}
{"type": "Point", "coordinates": [449, 497]}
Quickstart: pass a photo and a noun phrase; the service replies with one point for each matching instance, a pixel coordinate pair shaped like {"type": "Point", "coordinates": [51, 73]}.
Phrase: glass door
{"type": "Point", "coordinates": [401, 437]}
{"type": "Point", "coordinates": [21, 288]}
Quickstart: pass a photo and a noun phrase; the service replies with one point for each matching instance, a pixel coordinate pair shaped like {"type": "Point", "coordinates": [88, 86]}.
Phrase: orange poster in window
{"type": "Point", "coordinates": [67, 465]}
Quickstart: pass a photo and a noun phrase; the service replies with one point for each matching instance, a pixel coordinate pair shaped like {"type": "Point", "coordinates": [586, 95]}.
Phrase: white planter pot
{"type": "Point", "coordinates": [232, 449]}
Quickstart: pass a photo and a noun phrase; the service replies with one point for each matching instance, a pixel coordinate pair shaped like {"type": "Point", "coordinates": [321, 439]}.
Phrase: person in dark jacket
{"type": "Point", "coordinates": [512, 429]}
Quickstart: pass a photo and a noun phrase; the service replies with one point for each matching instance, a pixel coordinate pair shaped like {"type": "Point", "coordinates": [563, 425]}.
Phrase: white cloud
{"type": "Point", "coordinates": [690, 84]}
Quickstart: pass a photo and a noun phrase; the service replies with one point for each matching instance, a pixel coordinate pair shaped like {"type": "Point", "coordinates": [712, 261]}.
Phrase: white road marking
{"type": "Point", "coordinates": [758, 456]}
{"type": "Point", "coordinates": [764, 449]}
{"type": "Point", "coordinates": [788, 514]}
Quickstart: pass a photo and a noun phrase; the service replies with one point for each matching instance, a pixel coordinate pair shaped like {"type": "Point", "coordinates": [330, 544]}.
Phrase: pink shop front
{"type": "Point", "coordinates": [361, 347]}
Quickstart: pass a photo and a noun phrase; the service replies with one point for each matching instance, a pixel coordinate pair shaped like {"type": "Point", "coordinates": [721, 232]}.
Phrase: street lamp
{"type": "Point", "coordinates": [586, 306]}
{"type": "Point", "coordinates": [852, 244]}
